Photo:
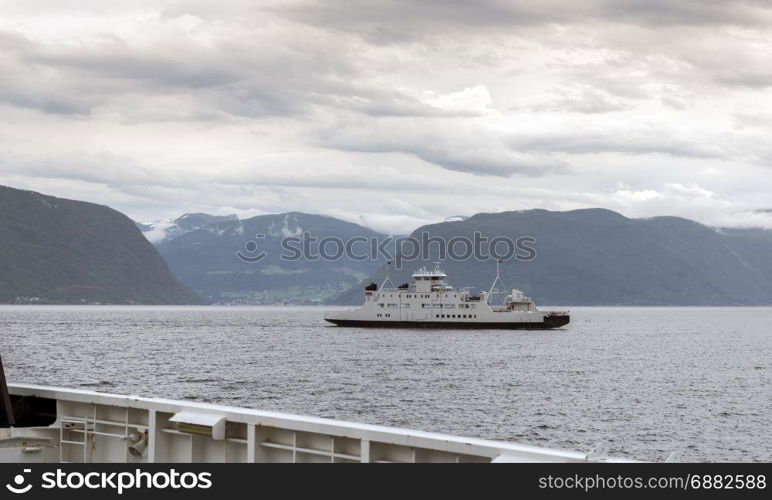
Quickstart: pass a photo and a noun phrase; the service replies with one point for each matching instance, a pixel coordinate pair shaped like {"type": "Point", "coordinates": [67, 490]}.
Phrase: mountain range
{"type": "Point", "coordinates": [583, 257]}
{"type": "Point", "coordinates": [62, 251]}
{"type": "Point", "coordinates": [57, 251]}
{"type": "Point", "coordinates": [219, 261]}
{"type": "Point", "coordinates": [599, 257]}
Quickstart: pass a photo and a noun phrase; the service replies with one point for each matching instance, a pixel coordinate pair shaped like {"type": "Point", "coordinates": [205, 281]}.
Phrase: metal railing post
{"type": "Point", "coordinates": [5, 397]}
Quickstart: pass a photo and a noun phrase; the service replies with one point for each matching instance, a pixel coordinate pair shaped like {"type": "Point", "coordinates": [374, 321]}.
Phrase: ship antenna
{"type": "Point", "coordinates": [497, 280]}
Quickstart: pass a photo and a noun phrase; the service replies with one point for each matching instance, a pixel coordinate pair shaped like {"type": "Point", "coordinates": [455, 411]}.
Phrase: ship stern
{"type": "Point", "coordinates": [556, 319]}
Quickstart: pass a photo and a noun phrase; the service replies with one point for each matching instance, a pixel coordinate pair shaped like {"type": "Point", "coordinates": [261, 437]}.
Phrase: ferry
{"type": "Point", "coordinates": [428, 301]}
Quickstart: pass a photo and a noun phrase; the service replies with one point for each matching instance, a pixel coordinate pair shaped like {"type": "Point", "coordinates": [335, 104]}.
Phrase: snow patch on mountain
{"type": "Point", "coordinates": [290, 228]}
{"type": "Point", "coordinates": [163, 230]}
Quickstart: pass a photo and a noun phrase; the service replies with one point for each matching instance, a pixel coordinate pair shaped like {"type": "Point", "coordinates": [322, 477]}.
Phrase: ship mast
{"type": "Point", "coordinates": [497, 280]}
{"type": "Point", "coordinates": [387, 279]}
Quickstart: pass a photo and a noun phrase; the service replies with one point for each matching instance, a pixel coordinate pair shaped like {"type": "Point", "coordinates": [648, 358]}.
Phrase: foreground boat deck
{"type": "Point", "coordinates": [88, 426]}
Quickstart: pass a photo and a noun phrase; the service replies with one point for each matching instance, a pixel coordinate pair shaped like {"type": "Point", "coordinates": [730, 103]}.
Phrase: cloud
{"type": "Point", "coordinates": [472, 101]}
{"type": "Point", "coordinates": [579, 99]}
{"type": "Point", "coordinates": [691, 201]}
{"type": "Point", "coordinates": [397, 20]}
{"type": "Point", "coordinates": [158, 58]}
{"type": "Point", "coordinates": [391, 113]}
{"type": "Point", "coordinates": [472, 147]}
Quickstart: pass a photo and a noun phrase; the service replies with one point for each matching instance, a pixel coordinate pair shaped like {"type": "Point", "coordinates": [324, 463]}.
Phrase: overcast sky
{"type": "Point", "coordinates": [391, 113]}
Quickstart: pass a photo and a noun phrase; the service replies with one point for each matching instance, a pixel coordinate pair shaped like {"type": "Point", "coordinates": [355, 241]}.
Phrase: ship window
{"type": "Point", "coordinates": [406, 306]}
{"type": "Point", "coordinates": [381, 304]}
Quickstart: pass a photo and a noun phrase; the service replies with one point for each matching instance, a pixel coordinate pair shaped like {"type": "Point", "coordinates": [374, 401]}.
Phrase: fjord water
{"type": "Point", "coordinates": [643, 381]}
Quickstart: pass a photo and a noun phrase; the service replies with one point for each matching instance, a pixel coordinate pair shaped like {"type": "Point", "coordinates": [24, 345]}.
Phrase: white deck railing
{"type": "Point", "coordinates": [97, 427]}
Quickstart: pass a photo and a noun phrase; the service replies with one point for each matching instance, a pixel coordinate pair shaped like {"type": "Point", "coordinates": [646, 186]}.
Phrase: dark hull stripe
{"type": "Point", "coordinates": [548, 323]}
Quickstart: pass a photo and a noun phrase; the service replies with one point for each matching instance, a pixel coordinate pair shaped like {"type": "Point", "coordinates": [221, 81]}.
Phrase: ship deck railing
{"type": "Point", "coordinates": [92, 426]}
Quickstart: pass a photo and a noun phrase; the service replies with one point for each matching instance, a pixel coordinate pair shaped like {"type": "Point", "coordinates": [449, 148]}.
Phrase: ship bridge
{"type": "Point", "coordinates": [427, 280]}
{"type": "Point", "coordinates": [424, 274]}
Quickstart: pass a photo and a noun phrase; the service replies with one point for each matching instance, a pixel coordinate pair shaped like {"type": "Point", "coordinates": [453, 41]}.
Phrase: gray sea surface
{"type": "Point", "coordinates": [643, 381]}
